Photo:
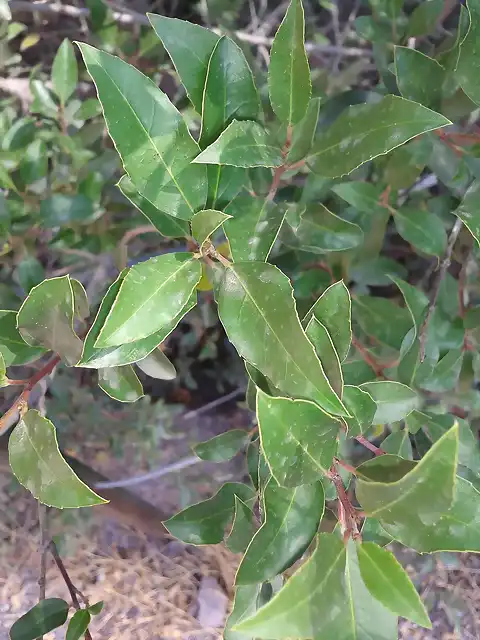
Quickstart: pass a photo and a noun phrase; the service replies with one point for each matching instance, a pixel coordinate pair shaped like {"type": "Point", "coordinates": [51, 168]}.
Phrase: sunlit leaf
{"type": "Point", "coordinates": [45, 616]}
{"type": "Point", "coordinates": [120, 383]}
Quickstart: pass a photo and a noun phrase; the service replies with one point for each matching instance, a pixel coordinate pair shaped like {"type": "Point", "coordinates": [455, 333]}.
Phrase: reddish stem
{"type": "Point", "coordinates": [368, 359]}
{"type": "Point", "coordinates": [368, 445]}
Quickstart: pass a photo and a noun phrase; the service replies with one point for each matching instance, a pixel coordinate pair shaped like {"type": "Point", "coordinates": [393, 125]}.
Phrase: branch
{"type": "Point", "coordinates": [70, 586]}
{"type": "Point", "coordinates": [20, 403]}
{"type": "Point", "coordinates": [128, 16]}
{"type": "Point", "coordinates": [439, 275]}
{"type": "Point", "coordinates": [347, 514]}
{"type": "Point", "coordinates": [368, 445]}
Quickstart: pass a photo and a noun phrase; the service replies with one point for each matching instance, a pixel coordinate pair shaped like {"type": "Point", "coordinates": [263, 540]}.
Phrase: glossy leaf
{"type": "Point", "coordinates": [229, 93]}
{"type": "Point", "coordinates": [334, 309]}
{"type": "Point", "coordinates": [131, 351]}
{"type": "Point", "coordinates": [386, 580]}
{"type": "Point", "coordinates": [46, 319]}
{"type": "Point", "coordinates": [243, 528]}
{"type": "Point", "coordinates": [64, 71]}
{"type": "Point", "coordinates": [256, 307]}
{"type": "Point", "coordinates": [45, 616]}
{"type": "Point", "coordinates": [242, 144]}
{"type": "Point", "coordinates": [190, 47]}
{"type": "Point", "coordinates": [149, 134]}
{"type": "Point", "coordinates": [323, 345]}
{"type": "Point", "coordinates": [399, 444]}
{"type": "Point", "coordinates": [380, 127]}
{"type": "Point", "coordinates": [289, 81]}
{"type": "Point", "coordinates": [446, 373]}
{"type": "Point", "coordinates": [298, 439]}
{"type": "Point", "coordinates": [81, 306]}
{"type": "Point", "coordinates": [415, 300]}
{"type": "Point", "coordinates": [361, 406]}
{"type": "Point", "coordinates": [78, 624]}
{"type": "Point", "coordinates": [224, 184]}
{"type": "Point", "coordinates": [291, 519]}
{"type": "Point", "coordinates": [205, 223]}
{"type": "Point", "coordinates": [303, 133]}
{"type": "Point", "coordinates": [419, 77]}
{"type": "Point", "coordinates": [469, 210]}
{"type": "Point", "coordinates": [424, 17]}
{"type": "Point", "coordinates": [205, 522]}
{"type": "Point", "coordinates": [455, 530]}
{"type": "Point", "coordinates": [151, 295]}
{"type": "Point", "coordinates": [3, 372]}
{"type": "Point", "coordinates": [468, 67]}
{"type": "Point", "coordinates": [422, 229]}
{"type": "Point", "coordinates": [63, 209]}
{"type": "Point", "coordinates": [244, 605]}
{"type": "Point", "coordinates": [253, 228]}
{"type": "Point", "coordinates": [120, 383]}
{"type": "Point", "coordinates": [410, 497]}
{"type": "Point", "coordinates": [318, 230]}
{"type": "Point", "coordinates": [157, 365]}
{"type": "Point", "coordinates": [37, 464]}
{"type": "Point", "coordinates": [14, 349]}
{"type": "Point", "coordinates": [168, 226]}
{"type": "Point", "coordinates": [222, 447]}
{"type": "Point", "coordinates": [364, 196]}
{"type": "Point", "coordinates": [394, 400]}
{"type": "Point", "coordinates": [96, 608]}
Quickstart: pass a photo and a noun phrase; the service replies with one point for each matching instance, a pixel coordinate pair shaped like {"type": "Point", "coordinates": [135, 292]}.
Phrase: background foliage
{"type": "Point", "coordinates": [329, 211]}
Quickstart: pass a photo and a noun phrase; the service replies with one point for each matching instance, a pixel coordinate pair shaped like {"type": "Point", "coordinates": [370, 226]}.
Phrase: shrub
{"type": "Point", "coordinates": [342, 216]}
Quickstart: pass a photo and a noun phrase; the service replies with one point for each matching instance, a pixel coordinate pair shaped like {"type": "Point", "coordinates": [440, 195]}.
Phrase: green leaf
{"type": "Point", "coordinates": [301, 608]}
{"type": "Point", "coordinates": [244, 605]}
{"type": "Point", "coordinates": [298, 439]}
{"type": "Point", "coordinates": [257, 309]}
{"type": "Point", "coordinates": [205, 223]}
{"type": "Point", "coordinates": [81, 307]}
{"type": "Point", "coordinates": [64, 71]}
{"type": "Point", "coordinates": [386, 580]}
{"type": "Point", "coordinates": [3, 372]}
{"type": "Point", "coordinates": [253, 228]}
{"type": "Point", "coordinates": [303, 133]}
{"type": "Point", "coordinates": [242, 144]}
{"type": "Point", "coordinates": [422, 229]}
{"type": "Point", "coordinates": [168, 226]}
{"type": "Point", "coordinates": [157, 365]}
{"type": "Point", "coordinates": [323, 345]}
{"type": "Point", "coordinates": [62, 209]}
{"type": "Point", "coordinates": [469, 210]}
{"type": "Point", "coordinates": [130, 352]}
{"type": "Point", "coordinates": [46, 319]}
{"type": "Point", "coordinates": [224, 183]}
{"type": "Point", "coordinates": [78, 624]}
{"type": "Point", "coordinates": [14, 349]}
{"type": "Point", "coordinates": [120, 383]}
{"type": "Point", "coordinates": [361, 406]}
{"type": "Point", "coordinates": [455, 530]}
{"type": "Point", "coordinates": [374, 315]}
{"type": "Point", "coordinates": [149, 134]}
{"type": "Point", "coordinates": [37, 463]}
{"type": "Point", "coordinates": [205, 522]}
{"type": "Point", "coordinates": [222, 447]}
{"type": "Point", "coordinates": [334, 310]}
{"type": "Point", "coordinates": [394, 400]}
{"type": "Point", "coordinates": [96, 608]}
{"type": "Point", "coordinates": [189, 47]}
{"type": "Point", "coordinates": [402, 500]}
{"type": "Point", "coordinates": [468, 67]}
{"type": "Point", "coordinates": [380, 127]}
{"type": "Point", "coordinates": [424, 17]}
{"type": "Point", "coordinates": [318, 230]}
{"type": "Point", "coordinates": [415, 300]}
{"type": "Point", "coordinates": [289, 82]}
{"type": "Point", "coordinates": [324, 599]}
{"type": "Point", "coordinates": [372, 531]}
{"type": "Point", "coordinates": [446, 373]}
{"type": "Point", "coordinates": [151, 295]}
{"type": "Point", "coordinates": [291, 519]}
{"type": "Point", "coordinates": [243, 528]}
{"type": "Point", "coordinates": [399, 444]}
{"type": "Point", "coordinates": [42, 618]}
{"type": "Point", "coordinates": [419, 77]}
{"type": "Point", "coordinates": [364, 196]}
{"type": "Point", "coordinates": [230, 92]}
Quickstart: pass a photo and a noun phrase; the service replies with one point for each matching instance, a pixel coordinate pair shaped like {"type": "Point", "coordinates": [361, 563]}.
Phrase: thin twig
{"type": "Point", "coordinates": [438, 278]}
{"type": "Point", "coordinates": [129, 16]}
{"type": "Point", "coordinates": [70, 586]}
{"type": "Point", "coordinates": [370, 446]}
